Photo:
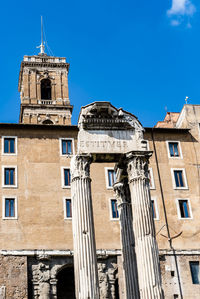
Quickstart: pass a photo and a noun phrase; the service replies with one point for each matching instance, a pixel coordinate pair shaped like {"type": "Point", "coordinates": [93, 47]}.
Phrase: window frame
{"type": "Point", "coordinates": [198, 262]}
{"type": "Point", "coordinates": [153, 187]}
{"type": "Point", "coordinates": [65, 208]}
{"type": "Point", "coordinates": [2, 146]}
{"type": "Point", "coordinates": [3, 176]}
{"type": "Point", "coordinates": [62, 177]}
{"type": "Point", "coordinates": [189, 208]}
{"type": "Point", "coordinates": [179, 147]}
{"type": "Point", "coordinates": [110, 207]}
{"type": "Point", "coordinates": [4, 206]}
{"type": "Point", "coordinates": [107, 178]}
{"type": "Point", "coordinates": [153, 198]}
{"type": "Point", "coordinates": [184, 178]}
{"type": "Point", "coordinates": [73, 150]}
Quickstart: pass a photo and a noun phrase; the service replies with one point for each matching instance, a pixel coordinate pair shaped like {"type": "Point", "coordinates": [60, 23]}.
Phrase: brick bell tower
{"type": "Point", "coordinates": [43, 87]}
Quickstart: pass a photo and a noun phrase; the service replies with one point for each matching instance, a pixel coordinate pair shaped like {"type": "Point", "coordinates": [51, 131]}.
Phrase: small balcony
{"type": "Point", "coordinates": [46, 102]}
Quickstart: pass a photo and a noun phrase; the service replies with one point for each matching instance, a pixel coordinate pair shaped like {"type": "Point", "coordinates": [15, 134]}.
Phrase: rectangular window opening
{"type": "Point", "coordinates": [66, 147]}
{"type": "Point", "coordinates": [67, 177]}
{"type": "Point", "coordinates": [9, 207]}
{"type": "Point", "coordinates": [9, 145]}
{"type": "Point", "coordinates": [9, 176]}
{"type": "Point", "coordinates": [195, 272]}
{"type": "Point", "coordinates": [179, 180]}
{"type": "Point", "coordinates": [184, 208]}
{"type": "Point", "coordinates": [174, 149]}
{"type": "Point", "coordinates": [68, 208]}
{"type": "Point", "coordinates": [111, 177]}
{"type": "Point", "coordinates": [115, 213]}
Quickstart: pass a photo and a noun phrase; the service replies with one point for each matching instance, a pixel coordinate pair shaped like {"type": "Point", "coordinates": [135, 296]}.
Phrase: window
{"type": "Point", "coordinates": [47, 122]}
{"type": "Point", "coordinates": [178, 175]}
{"type": "Point", "coordinates": [179, 179]}
{"type": "Point", "coordinates": [9, 208]}
{"type": "Point", "coordinates": [174, 149]}
{"type": "Point", "coordinates": [66, 177]}
{"type": "Point", "coordinates": [184, 209]}
{"type": "Point", "coordinates": [114, 209]}
{"type": "Point", "coordinates": [110, 177]}
{"type": "Point", "coordinates": [9, 145]}
{"type": "Point", "coordinates": [154, 208]}
{"type": "Point", "coordinates": [45, 89]}
{"type": "Point", "coordinates": [67, 208]}
{"type": "Point", "coordinates": [9, 176]}
{"type": "Point", "coordinates": [195, 272]}
{"type": "Point", "coordinates": [66, 146]}
{"type": "Point", "coordinates": [151, 178]}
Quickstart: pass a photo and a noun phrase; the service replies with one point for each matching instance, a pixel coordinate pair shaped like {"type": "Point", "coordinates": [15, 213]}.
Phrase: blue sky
{"type": "Point", "coordinates": [142, 55]}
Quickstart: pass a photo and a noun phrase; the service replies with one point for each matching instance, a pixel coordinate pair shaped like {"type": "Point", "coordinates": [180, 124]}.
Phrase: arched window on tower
{"type": "Point", "coordinates": [47, 122]}
{"type": "Point", "coordinates": [45, 89]}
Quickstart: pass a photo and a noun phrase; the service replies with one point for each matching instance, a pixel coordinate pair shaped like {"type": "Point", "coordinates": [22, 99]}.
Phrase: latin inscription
{"type": "Point", "coordinates": [103, 144]}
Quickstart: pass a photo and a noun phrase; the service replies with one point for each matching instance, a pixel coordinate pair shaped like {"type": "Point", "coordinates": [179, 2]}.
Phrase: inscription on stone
{"type": "Point", "coordinates": [106, 141]}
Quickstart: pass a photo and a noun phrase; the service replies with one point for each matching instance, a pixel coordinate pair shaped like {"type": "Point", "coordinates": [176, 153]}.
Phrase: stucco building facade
{"type": "Point", "coordinates": [76, 215]}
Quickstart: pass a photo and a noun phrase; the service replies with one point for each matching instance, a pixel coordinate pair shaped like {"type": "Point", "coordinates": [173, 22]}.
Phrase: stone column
{"type": "Point", "coordinates": [143, 226]}
{"type": "Point", "coordinates": [85, 262]}
{"type": "Point", "coordinates": [127, 239]}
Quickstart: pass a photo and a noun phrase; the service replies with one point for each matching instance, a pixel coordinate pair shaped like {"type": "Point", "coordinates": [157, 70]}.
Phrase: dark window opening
{"type": "Point", "coordinates": [68, 208]}
{"type": "Point", "coordinates": [9, 207]}
{"type": "Point", "coordinates": [115, 213]}
{"type": "Point", "coordinates": [66, 284]}
{"type": "Point", "coordinates": [46, 89]}
{"type": "Point", "coordinates": [111, 177]}
{"type": "Point", "coordinates": [47, 122]}
{"type": "Point", "coordinates": [66, 147]}
{"type": "Point", "coordinates": [67, 177]}
{"type": "Point", "coordinates": [9, 176]}
{"type": "Point", "coordinates": [116, 289]}
{"type": "Point", "coordinates": [174, 149]}
{"type": "Point", "coordinates": [172, 273]}
{"type": "Point", "coordinates": [9, 145]}
{"type": "Point", "coordinates": [195, 272]}
{"type": "Point", "coordinates": [178, 175]}
{"type": "Point", "coordinates": [184, 209]}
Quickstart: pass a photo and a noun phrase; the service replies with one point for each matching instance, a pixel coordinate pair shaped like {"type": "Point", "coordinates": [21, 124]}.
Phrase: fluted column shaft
{"type": "Point", "coordinates": [127, 240]}
{"type": "Point", "coordinates": [143, 227]}
{"type": "Point", "coordinates": [85, 262]}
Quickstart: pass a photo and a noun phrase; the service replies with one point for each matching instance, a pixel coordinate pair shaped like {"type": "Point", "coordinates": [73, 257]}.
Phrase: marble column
{"type": "Point", "coordinates": [143, 226]}
{"type": "Point", "coordinates": [85, 262]}
{"type": "Point", "coordinates": [127, 239]}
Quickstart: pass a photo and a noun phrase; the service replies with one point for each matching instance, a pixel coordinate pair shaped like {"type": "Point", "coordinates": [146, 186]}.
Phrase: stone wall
{"type": "Point", "coordinates": [176, 276]}
{"type": "Point", "coordinates": [13, 277]}
{"type": "Point", "coordinates": [43, 270]}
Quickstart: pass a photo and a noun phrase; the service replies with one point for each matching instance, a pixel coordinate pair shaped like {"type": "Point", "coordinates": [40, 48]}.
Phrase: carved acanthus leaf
{"type": "Point", "coordinates": [80, 166]}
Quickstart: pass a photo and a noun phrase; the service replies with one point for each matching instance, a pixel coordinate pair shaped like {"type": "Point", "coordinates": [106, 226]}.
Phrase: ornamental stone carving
{"type": "Point", "coordinates": [106, 129]}
{"type": "Point", "coordinates": [80, 166]}
{"type": "Point", "coordinates": [138, 165]}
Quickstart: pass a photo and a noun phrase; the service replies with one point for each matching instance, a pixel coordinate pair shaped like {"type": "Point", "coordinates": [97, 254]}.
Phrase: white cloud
{"type": "Point", "coordinates": [180, 10]}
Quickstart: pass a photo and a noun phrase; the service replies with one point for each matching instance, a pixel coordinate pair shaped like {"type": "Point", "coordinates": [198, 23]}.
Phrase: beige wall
{"type": "Point", "coordinates": [41, 224]}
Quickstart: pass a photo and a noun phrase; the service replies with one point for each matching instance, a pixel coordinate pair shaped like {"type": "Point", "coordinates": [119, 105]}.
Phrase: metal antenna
{"type": "Point", "coordinates": [42, 42]}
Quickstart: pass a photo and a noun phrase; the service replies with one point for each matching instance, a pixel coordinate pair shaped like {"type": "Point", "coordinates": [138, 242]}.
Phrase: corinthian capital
{"type": "Point", "coordinates": [80, 166]}
{"type": "Point", "coordinates": [122, 192]}
{"type": "Point", "coordinates": [137, 165]}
